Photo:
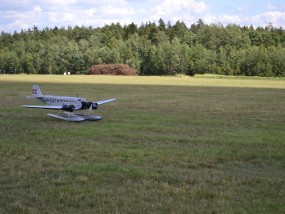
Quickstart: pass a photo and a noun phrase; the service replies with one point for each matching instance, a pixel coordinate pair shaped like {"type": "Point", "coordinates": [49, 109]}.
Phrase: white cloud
{"type": "Point", "coordinates": [117, 11]}
{"type": "Point", "coordinates": [177, 10]}
{"type": "Point", "coordinates": [14, 26]}
{"type": "Point", "coordinates": [270, 6]}
{"type": "Point", "coordinates": [243, 9]}
{"type": "Point", "coordinates": [229, 19]}
{"type": "Point", "coordinates": [275, 17]}
{"type": "Point", "coordinates": [223, 19]}
{"type": "Point", "coordinates": [60, 2]}
{"type": "Point", "coordinates": [37, 9]}
{"type": "Point", "coordinates": [170, 6]}
{"type": "Point", "coordinates": [142, 11]}
{"type": "Point", "coordinates": [23, 14]}
{"type": "Point", "coordinates": [90, 16]}
{"type": "Point", "coordinates": [198, 7]}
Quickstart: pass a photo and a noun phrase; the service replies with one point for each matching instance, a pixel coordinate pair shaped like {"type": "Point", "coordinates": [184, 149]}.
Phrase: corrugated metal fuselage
{"type": "Point", "coordinates": [77, 102]}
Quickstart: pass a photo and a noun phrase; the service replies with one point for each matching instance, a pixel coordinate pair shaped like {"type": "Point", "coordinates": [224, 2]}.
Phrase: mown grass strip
{"type": "Point", "coordinates": [159, 148]}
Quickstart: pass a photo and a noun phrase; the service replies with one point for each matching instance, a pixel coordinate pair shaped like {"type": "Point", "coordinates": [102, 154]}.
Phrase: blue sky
{"type": "Point", "coordinates": [23, 14]}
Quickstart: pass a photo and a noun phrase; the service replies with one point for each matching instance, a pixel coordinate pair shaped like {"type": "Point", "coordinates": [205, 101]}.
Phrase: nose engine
{"type": "Point", "coordinates": [94, 105]}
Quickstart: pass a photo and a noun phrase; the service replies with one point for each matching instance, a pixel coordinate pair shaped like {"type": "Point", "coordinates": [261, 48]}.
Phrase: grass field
{"type": "Point", "coordinates": [168, 145]}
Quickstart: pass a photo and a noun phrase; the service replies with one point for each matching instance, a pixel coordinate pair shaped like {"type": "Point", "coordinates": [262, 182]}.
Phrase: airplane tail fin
{"type": "Point", "coordinates": [36, 92]}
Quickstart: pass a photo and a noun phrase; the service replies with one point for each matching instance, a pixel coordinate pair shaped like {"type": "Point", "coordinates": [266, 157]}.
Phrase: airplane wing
{"type": "Point", "coordinates": [43, 107]}
{"type": "Point", "coordinates": [105, 101]}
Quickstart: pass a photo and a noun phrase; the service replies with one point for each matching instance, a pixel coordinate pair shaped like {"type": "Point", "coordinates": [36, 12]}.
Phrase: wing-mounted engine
{"type": "Point", "coordinates": [69, 108]}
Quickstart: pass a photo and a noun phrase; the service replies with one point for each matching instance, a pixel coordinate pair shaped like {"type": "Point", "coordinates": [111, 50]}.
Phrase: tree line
{"type": "Point", "coordinates": [151, 48]}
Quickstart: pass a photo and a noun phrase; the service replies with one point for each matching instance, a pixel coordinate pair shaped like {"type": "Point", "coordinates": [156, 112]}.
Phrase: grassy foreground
{"type": "Point", "coordinates": [168, 145]}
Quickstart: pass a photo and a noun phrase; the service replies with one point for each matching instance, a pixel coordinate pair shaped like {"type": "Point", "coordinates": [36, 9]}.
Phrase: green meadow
{"type": "Point", "coordinates": [167, 145]}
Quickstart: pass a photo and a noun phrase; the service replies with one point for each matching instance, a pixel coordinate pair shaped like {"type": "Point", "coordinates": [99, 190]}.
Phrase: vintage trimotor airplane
{"type": "Point", "coordinates": [68, 104]}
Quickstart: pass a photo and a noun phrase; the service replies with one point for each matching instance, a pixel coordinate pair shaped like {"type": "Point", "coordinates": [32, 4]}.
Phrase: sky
{"type": "Point", "coordinates": [17, 15]}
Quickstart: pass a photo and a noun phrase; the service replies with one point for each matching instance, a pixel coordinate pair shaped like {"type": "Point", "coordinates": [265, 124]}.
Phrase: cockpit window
{"type": "Point", "coordinates": [81, 99]}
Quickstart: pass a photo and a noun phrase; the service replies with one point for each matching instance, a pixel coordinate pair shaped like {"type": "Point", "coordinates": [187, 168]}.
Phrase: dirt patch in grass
{"type": "Point", "coordinates": [112, 69]}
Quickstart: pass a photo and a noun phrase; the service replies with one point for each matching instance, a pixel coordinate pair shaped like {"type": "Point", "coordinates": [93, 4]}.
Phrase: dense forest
{"type": "Point", "coordinates": [152, 49]}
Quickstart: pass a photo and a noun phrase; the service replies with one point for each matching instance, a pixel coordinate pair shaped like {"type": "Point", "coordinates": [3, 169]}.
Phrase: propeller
{"type": "Point", "coordinates": [93, 105]}
{"type": "Point", "coordinates": [90, 109]}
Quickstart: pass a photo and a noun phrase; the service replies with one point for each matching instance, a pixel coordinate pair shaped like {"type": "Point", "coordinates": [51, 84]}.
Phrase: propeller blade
{"type": "Point", "coordinates": [90, 109]}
